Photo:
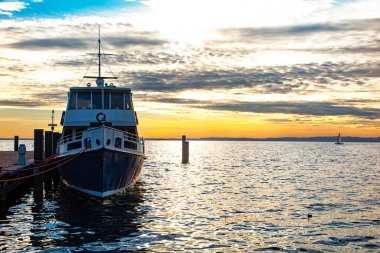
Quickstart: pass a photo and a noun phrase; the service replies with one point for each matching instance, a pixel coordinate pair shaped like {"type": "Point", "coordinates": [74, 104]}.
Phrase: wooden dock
{"type": "Point", "coordinates": [10, 158]}
{"type": "Point", "coordinates": [9, 169]}
{"type": "Point", "coordinates": [13, 175]}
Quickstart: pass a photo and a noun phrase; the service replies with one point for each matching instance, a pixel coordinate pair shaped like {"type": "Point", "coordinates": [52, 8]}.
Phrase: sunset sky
{"type": "Point", "coordinates": [205, 68]}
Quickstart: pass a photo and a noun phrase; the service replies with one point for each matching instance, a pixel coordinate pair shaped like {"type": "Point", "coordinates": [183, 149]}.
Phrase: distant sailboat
{"type": "Point", "coordinates": [339, 140]}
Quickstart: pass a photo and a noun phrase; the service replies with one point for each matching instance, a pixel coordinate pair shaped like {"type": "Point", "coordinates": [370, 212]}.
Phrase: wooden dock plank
{"type": "Point", "coordinates": [9, 158]}
{"type": "Point", "coordinates": [14, 168]}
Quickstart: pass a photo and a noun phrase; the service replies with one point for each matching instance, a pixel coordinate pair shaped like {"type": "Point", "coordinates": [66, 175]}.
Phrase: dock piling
{"type": "Point", "coordinates": [48, 143]}
{"type": "Point", "coordinates": [38, 144]}
{"type": "Point", "coordinates": [16, 143]}
{"type": "Point", "coordinates": [185, 150]}
{"type": "Point", "coordinates": [56, 137]}
{"type": "Point", "coordinates": [38, 156]}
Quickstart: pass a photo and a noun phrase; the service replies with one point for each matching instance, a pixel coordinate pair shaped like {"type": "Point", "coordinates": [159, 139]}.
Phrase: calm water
{"type": "Point", "coordinates": [232, 197]}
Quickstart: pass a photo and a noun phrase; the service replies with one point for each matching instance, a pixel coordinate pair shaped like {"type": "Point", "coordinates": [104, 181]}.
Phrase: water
{"type": "Point", "coordinates": [232, 197]}
{"type": "Point", "coordinates": [8, 145]}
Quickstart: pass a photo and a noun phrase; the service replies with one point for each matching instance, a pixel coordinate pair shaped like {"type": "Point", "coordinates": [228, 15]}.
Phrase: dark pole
{"type": "Point", "coordinates": [38, 144]}
{"type": "Point", "coordinates": [185, 150]}
{"type": "Point", "coordinates": [99, 54]}
{"type": "Point", "coordinates": [56, 137]}
{"type": "Point", "coordinates": [48, 144]}
{"type": "Point", "coordinates": [16, 143]}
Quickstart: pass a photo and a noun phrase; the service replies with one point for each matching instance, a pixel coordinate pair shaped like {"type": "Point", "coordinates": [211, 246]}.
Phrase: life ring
{"type": "Point", "coordinates": [101, 117]}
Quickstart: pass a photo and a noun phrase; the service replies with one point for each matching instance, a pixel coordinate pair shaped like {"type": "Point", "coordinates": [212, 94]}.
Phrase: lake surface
{"type": "Point", "coordinates": [232, 197]}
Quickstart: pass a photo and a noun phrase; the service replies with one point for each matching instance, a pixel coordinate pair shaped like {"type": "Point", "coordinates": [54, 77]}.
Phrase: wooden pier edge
{"type": "Point", "coordinates": [13, 172]}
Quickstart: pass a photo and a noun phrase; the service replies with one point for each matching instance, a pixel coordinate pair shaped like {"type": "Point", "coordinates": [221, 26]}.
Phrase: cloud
{"type": "Point", "coordinates": [145, 57]}
{"type": "Point", "coordinates": [38, 97]}
{"type": "Point", "coordinates": [7, 8]}
{"type": "Point", "coordinates": [284, 31]}
{"type": "Point", "coordinates": [305, 29]}
{"type": "Point", "coordinates": [318, 108]}
{"type": "Point", "coordinates": [278, 79]}
{"type": "Point", "coordinates": [127, 41]}
{"type": "Point", "coordinates": [300, 108]}
{"type": "Point", "coordinates": [70, 62]}
{"type": "Point", "coordinates": [60, 43]}
{"type": "Point", "coordinates": [21, 103]}
{"type": "Point", "coordinates": [349, 36]}
{"type": "Point", "coordinates": [172, 16]}
{"type": "Point", "coordinates": [151, 62]}
{"type": "Point", "coordinates": [364, 123]}
{"type": "Point", "coordinates": [357, 108]}
{"type": "Point", "coordinates": [81, 43]}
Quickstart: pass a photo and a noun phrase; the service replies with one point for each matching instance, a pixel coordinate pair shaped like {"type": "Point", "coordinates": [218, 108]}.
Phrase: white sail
{"type": "Point", "coordinates": [339, 139]}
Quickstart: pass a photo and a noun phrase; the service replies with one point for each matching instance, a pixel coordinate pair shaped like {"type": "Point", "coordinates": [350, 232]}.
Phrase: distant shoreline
{"type": "Point", "coordinates": [7, 139]}
{"type": "Point", "coordinates": [295, 139]}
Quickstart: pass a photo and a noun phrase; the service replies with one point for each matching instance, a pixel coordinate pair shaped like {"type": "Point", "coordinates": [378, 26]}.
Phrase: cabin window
{"type": "Point", "coordinates": [128, 105]}
{"type": "Point", "coordinates": [84, 100]}
{"type": "Point", "coordinates": [131, 130]}
{"type": "Point", "coordinates": [96, 100]}
{"type": "Point", "coordinates": [117, 101]}
{"type": "Point", "coordinates": [72, 101]}
{"type": "Point", "coordinates": [106, 100]}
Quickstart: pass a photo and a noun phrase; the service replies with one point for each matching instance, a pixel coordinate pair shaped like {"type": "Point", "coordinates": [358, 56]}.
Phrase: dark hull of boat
{"type": "Point", "coordinates": [102, 172]}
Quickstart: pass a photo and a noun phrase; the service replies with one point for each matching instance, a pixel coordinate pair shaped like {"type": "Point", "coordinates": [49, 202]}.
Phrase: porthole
{"type": "Point", "coordinates": [97, 142]}
{"type": "Point", "coordinates": [108, 142]}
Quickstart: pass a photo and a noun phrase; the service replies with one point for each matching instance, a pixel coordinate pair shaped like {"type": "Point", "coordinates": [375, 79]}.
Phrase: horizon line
{"type": "Point", "coordinates": [326, 138]}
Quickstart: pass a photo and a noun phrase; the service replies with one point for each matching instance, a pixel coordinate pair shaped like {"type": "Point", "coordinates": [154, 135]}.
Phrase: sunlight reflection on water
{"type": "Point", "coordinates": [232, 197]}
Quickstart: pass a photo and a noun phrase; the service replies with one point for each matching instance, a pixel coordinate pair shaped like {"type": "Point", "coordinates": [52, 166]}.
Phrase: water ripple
{"type": "Point", "coordinates": [231, 197]}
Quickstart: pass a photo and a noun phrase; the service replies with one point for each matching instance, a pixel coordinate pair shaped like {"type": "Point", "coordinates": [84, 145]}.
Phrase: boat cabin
{"type": "Point", "coordinates": [90, 107]}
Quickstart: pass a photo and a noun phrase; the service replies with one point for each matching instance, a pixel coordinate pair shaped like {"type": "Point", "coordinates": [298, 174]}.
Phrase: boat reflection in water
{"type": "Point", "coordinates": [101, 219]}
{"type": "Point", "coordinates": [71, 220]}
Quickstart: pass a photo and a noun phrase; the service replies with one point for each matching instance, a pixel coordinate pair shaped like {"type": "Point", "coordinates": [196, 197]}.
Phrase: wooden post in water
{"type": "Point", "coordinates": [38, 156]}
{"type": "Point", "coordinates": [185, 150]}
{"type": "Point", "coordinates": [38, 144]}
{"type": "Point", "coordinates": [48, 143]}
{"type": "Point", "coordinates": [16, 143]}
{"type": "Point", "coordinates": [56, 137]}
{"type": "Point", "coordinates": [38, 187]}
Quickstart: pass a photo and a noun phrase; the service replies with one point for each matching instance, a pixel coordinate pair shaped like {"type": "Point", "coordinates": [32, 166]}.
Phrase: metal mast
{"type": "Point", "coordinates": [100, 78]}
{"type": "Point", "coordinates": [99, 54]}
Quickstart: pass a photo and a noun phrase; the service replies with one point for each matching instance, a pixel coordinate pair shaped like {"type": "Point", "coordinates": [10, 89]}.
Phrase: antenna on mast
{"type": "Point", "coordinates": [99, 70]}
{"type": "Point", "coordinates": [100, 78]}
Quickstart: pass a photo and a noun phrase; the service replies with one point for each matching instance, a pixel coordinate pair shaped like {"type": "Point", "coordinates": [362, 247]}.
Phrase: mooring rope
{"type": "Point", "coordinates": [42, 172]}
{"type": "Point", "coordinates": [42, 162]}
{"type": "Point", "coordinates": [42, 165]}
{"type": "Point", "coordinates": [46, 159]}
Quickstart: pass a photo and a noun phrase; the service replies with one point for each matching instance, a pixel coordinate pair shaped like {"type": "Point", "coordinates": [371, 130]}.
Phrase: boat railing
{"type": "Point", "coordinates": [127, 135]}
{"type": "Point", "coordinates": [72, 137]}
{"type": "Point", "coordinates": [78, 139]}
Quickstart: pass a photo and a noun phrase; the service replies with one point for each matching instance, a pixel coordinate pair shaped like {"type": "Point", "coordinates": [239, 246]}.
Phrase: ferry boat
{"type": "Point", "coordinates": [339, 140]}
{"type": "Point", "coordinates": [100, 122]}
